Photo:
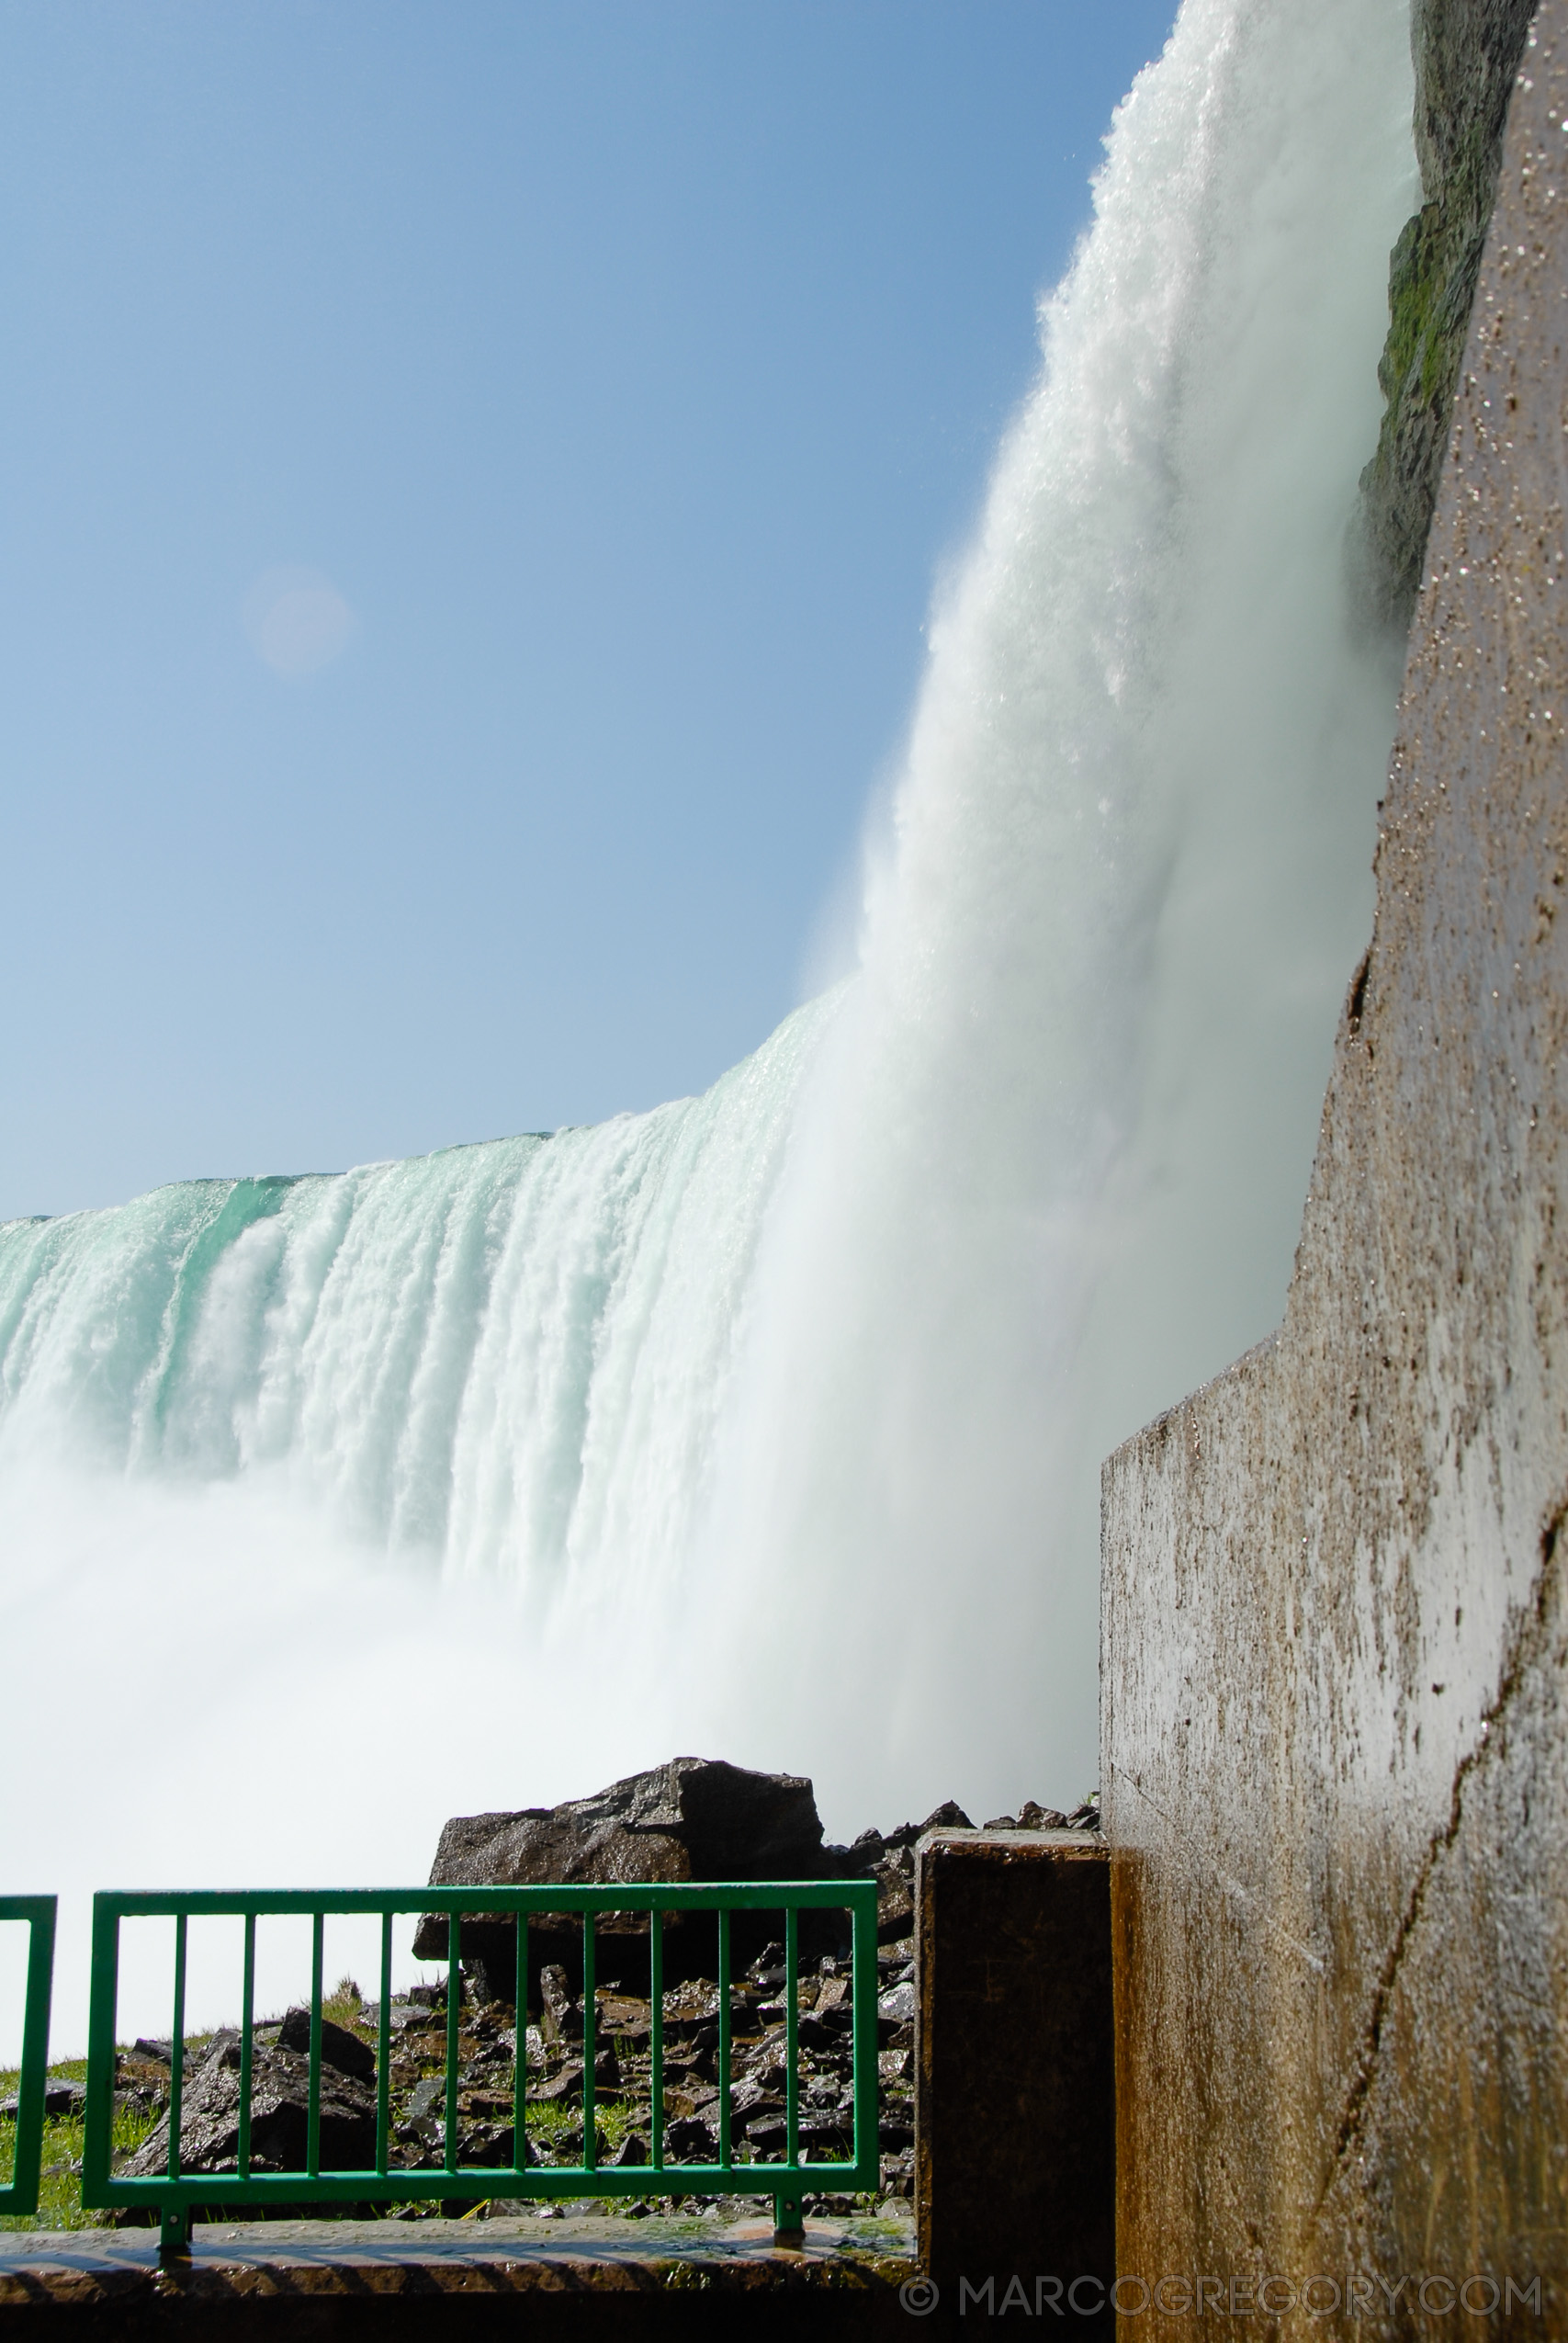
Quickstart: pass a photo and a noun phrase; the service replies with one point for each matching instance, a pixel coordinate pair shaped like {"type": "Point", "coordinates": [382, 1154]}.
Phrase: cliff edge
{"type": "Point", "coordinates": [1466, 53]}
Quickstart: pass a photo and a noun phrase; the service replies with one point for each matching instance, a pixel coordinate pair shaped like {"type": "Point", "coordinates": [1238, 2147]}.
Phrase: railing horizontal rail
{"type": "Point", "coordinates": [19, 2195]}
{"type": "Point", "coordinates": [177, 2190]}
{"type": "Point", "coordinates": [688, 1895]}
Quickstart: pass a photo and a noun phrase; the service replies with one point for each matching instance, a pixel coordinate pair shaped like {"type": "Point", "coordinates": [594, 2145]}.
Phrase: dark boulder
{"type": "Point", "coordinates": [209, 2118]}
{"type": "Point", "coordinates": [818, 2141]}
{"type": "Point", "coordinates": [1031, 1815]}
{"type": "Point", "coordinates": [491, 2146]}
{"type": "Point", "coordinates": [689, 2141]}
{"type": "Point", "coordinates": [695, 1819]}
{"type": "Point", "coordinates": [61, 2097]}
{"type": "Point", "coordinates": [872, 1847]}
{"type": "Point", "coordinates": [339, 2049]}
{"type": "Point", "coordinates": [889, 1858]}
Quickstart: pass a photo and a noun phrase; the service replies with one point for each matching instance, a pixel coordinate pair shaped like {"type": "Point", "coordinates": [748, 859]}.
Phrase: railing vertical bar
{"type": "Point", "coordinates": [177, 2049]}
{"type": "Point", "coordinates": [656, 2049]}
{"type": "Point", "coordinates": [384, 2047]}
{"type": "Point", "coordinates": [454, 2019]}
{"type": "Point", "coordinates": [32, 2083]}
{"type": "Point", "coordinates": [862, 1988]}
{"type": "Point", "coordinates": [520, 2053]}
{"type": "Point", "coordinates": [101, 2014]}
{"type": "Point", "coordinates": [313, 2131]}
{"type": "Point", "coordinates": [724, 2039]}
{"type": "Point", "coordinates": [590, 2049]}
{"type": "Point", "coordinates": [792, 2030]}
{"type": "Point", "coordinates": [248, 2020]}
{"type": "Point", "coordinates": [313, 2121]}
{"type": "Point", "coordinates": [19, 2195]}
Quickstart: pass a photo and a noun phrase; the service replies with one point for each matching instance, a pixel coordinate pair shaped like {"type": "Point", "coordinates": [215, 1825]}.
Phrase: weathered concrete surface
{"type": "Point", "coordinates": [1336, 1762]}
{"type": "Point", "coordinates": [394, 2282]}
{"type": "Point", "coordinates": [1014, 2078]}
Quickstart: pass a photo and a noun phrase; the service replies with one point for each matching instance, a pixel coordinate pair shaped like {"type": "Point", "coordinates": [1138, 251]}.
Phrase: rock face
{"type": "Point", "coordinates": [1466, 54]}
{"type": "Point", "coordinates": [1335, 1642]}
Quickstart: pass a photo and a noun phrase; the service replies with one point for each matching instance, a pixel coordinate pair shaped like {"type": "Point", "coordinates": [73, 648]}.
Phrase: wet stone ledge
{"type": "Point", "coordinates": [470, 2278]}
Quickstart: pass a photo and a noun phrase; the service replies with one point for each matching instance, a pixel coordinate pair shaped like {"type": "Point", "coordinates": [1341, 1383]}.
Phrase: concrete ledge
{"type": "Point", "coordinates": [468, 2279]}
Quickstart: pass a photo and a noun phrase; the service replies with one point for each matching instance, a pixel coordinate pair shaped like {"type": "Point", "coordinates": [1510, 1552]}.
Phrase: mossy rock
{"type": "Point", "coordinates": [1467, 54]}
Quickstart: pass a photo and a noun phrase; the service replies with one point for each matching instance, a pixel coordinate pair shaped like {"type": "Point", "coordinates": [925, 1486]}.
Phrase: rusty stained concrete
{"type": "Point", "coordinates": [1335, 1624]}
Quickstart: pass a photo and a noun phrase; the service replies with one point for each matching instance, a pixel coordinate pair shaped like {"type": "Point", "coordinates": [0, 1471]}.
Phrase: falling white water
{"type": "Point", "coordinates": [770, 1423]}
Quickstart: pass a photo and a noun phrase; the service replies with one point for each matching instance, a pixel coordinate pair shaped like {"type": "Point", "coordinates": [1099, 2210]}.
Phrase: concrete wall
{"type": "Point", "coordinates": [1335, 1633]}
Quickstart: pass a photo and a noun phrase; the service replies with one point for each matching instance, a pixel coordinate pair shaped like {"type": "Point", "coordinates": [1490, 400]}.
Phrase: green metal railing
{"type": "Point", "coordinates": [176, 2191]}
{"type": "Point", "coordinates": [21, 2194]}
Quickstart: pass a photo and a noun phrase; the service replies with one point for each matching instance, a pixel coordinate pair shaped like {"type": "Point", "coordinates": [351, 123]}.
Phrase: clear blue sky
{"type": "Point", "coordinates": [471, 477]}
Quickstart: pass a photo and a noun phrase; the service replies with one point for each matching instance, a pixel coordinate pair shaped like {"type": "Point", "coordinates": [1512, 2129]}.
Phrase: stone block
{"type": "Point", "coordinates": [1014, 2117]}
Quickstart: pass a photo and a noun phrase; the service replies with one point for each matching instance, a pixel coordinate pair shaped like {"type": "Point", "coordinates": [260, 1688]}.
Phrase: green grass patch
{"type": "Point", "coordinates": [60, 2186]}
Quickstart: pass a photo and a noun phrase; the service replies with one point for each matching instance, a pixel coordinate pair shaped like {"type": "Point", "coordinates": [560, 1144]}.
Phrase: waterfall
{"type": "Point", "coordinates": [768, 1424]}
{"type": "Point", "coordinates": [504, 1359]}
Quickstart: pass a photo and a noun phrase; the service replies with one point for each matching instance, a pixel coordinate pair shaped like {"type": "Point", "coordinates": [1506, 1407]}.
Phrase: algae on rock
{"type": "Point", "coordinates": [1467, 53]}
